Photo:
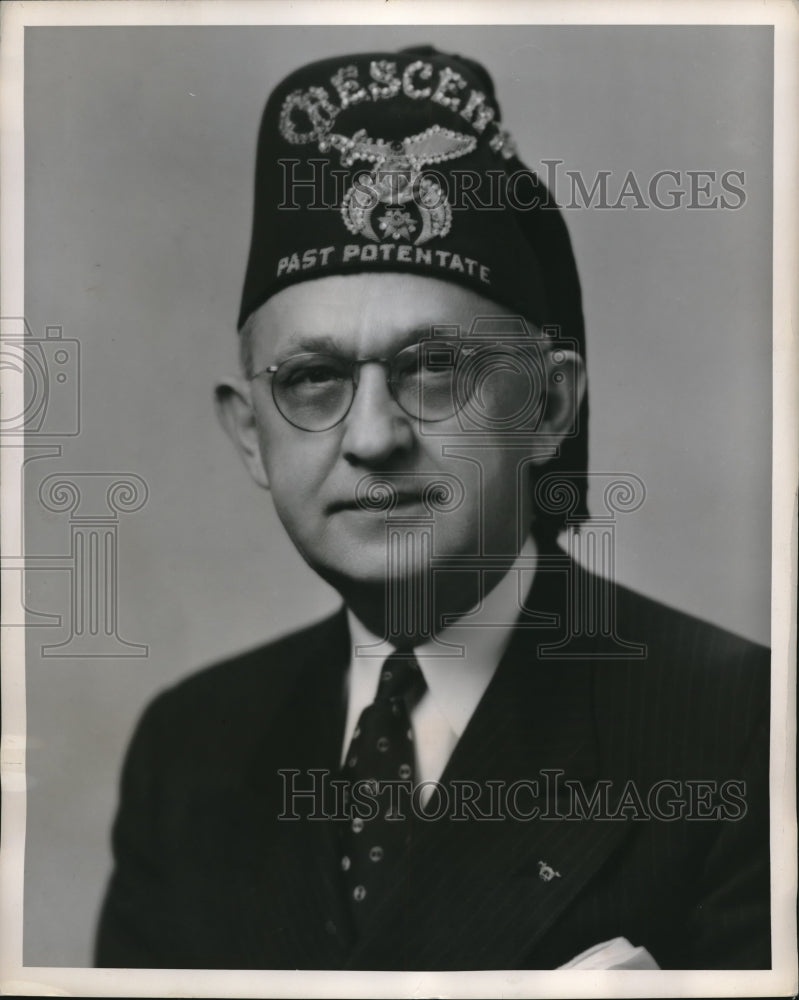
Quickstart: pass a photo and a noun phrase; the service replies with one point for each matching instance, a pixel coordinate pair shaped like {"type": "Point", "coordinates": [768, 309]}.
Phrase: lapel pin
{"type": "Point", "coordinates": [546, 872]}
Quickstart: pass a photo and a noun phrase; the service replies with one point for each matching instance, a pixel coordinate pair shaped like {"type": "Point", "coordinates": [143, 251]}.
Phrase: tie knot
{"type": "Point", "coordinates": [400, 677]}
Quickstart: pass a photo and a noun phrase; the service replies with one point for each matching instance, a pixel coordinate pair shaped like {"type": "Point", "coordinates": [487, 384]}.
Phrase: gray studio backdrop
{"type": "Point", "coordinates": [139, 158]}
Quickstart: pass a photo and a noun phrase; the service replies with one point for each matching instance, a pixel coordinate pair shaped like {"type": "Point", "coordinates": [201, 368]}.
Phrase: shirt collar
{"type": "Point", "coordinates": [460, 661]}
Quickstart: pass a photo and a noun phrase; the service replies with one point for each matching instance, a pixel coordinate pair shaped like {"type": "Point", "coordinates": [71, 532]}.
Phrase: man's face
{"type": "Point", "coordinates": [314, 475]}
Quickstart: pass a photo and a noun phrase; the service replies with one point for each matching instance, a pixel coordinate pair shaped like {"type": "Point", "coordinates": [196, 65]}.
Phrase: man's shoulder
{"type": "Point", "coordinates": [669, 632]}
{"type": "Point", "coordinates": [250, 682]}
{"type": "Point", "coordinates": [687, 674]}
{"type": "Point", "coordinates": [658, 660]}
{"type": "Point", "coordinates": [676, 693]}
{"type": "Point", "coordinates": [593, 607]}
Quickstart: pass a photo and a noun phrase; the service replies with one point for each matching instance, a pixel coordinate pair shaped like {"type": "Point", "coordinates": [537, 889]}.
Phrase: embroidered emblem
{"type": "Point", "coordinates": [396, 180]}
{"type": "Point", "coordinates": [397, 223]}
{"type": "Point", "coordinates": [546, 872]}
{"type": "Point", "coordinates": [416, 205]}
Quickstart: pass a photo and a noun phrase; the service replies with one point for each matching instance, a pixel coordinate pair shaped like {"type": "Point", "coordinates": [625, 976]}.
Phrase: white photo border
{"type": "Point", "coordinates": [15, 978]}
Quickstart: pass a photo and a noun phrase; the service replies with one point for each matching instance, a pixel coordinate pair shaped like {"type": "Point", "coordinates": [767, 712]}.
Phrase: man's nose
{"type": "Point", "coordinates": [376, 428]}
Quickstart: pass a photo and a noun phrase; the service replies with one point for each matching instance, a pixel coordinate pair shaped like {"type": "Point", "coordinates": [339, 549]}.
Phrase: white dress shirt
{"type": "Point", "coordinates": [455, 682]}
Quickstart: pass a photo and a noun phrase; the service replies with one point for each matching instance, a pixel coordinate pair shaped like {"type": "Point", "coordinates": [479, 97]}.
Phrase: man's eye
{"type": "Point", "coordinates": [315, 375]}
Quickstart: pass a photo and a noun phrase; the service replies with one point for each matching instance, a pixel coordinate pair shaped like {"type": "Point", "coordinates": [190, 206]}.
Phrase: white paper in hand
{"type": "Point", "coordinates": [617, 953]}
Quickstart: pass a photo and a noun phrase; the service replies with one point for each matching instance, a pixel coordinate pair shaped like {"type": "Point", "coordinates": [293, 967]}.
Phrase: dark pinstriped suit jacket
{"type": "Point", "coordinates": [207, 877]}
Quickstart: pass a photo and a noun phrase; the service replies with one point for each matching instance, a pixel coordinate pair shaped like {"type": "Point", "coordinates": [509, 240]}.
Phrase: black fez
{"type": "Point", "coordinates": [396, 162]}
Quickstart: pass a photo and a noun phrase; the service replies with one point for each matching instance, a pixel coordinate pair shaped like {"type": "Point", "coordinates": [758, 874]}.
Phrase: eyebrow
{"type": "Point", "coordinates": [325, 344]}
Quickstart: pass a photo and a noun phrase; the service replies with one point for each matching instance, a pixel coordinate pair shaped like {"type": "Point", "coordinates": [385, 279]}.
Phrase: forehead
{"type": "Point", "coordinates": [360, 312]}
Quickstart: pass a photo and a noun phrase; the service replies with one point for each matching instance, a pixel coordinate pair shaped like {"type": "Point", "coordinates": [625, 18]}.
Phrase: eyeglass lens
{"type": "Point", "coordinates": [315, 391]}
{"type": "Point", "coordinates": [430, 382]}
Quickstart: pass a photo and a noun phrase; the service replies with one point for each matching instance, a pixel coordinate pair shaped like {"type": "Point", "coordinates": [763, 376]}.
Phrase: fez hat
{"type": "Point", "coordinates": [398, 161]}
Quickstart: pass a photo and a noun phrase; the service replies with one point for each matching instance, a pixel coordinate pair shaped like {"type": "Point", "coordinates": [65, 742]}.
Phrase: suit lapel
{"type": "Point", "coordinates": [473, 894]}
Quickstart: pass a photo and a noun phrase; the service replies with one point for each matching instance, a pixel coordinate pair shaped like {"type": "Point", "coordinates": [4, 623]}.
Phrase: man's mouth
{"type": "Point", "coordinates": [398, 498]}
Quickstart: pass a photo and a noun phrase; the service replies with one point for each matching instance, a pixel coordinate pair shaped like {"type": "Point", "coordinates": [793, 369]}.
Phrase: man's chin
{"type": "Point", "coordinates": [369, 564]}
{"type": "Point", "coordinates": [367, 552]}
{"type": "Point", "coordinates": [361, 572]}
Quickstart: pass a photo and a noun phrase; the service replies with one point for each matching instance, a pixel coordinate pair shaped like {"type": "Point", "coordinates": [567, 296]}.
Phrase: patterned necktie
{"type": "Point", "coordinates": [379, 768]}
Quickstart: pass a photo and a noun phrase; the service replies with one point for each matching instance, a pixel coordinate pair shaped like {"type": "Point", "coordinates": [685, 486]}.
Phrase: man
{"type": "Point", "coordinates": [490, 758]}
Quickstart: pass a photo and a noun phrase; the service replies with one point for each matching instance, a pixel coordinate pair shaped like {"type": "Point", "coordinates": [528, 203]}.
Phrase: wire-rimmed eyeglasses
{"type": "Point", "coordinates": [315, 391]}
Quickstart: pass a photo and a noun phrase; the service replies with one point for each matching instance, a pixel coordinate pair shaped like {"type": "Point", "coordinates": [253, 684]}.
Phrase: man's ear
{"type": "Point", "coordinates": [566, 382]}
{"type": "Point", "coordinates": [236, 414]}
